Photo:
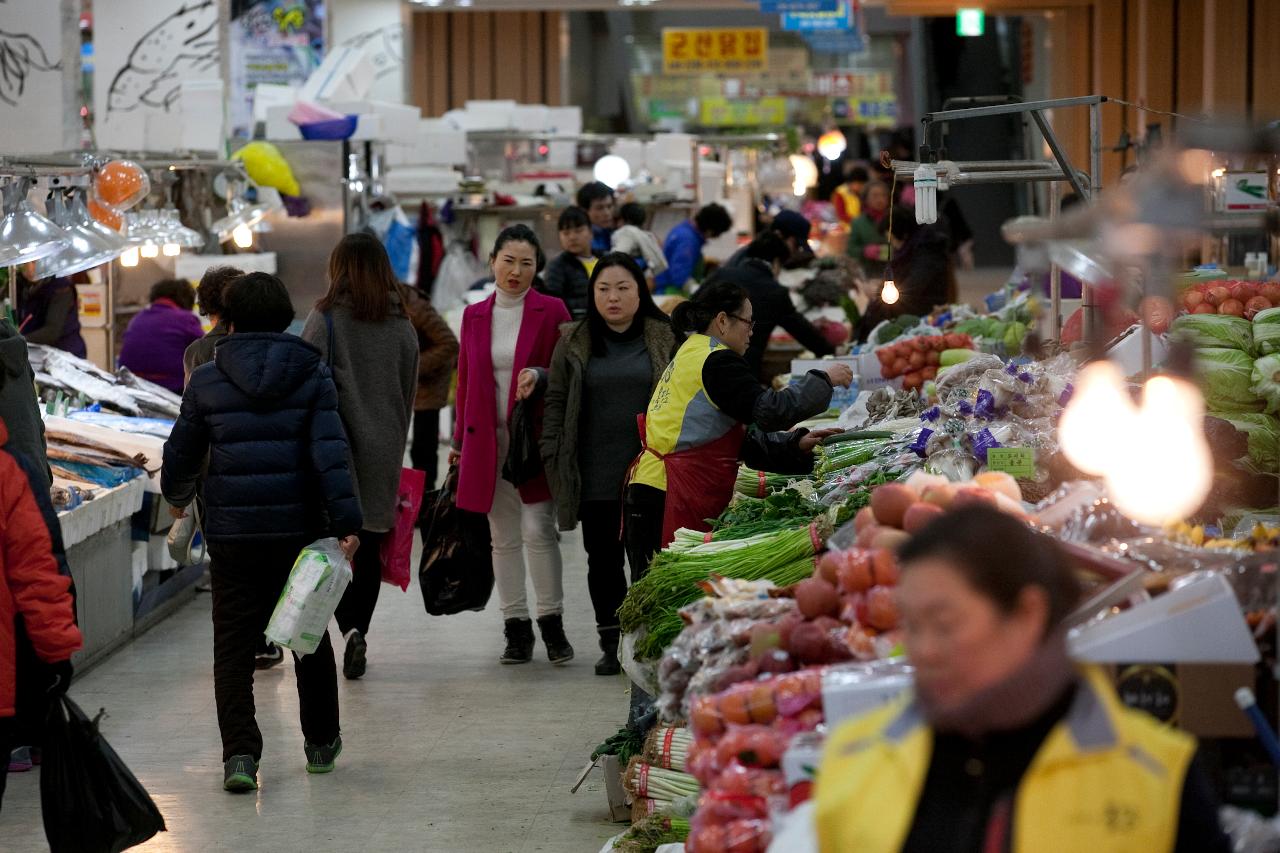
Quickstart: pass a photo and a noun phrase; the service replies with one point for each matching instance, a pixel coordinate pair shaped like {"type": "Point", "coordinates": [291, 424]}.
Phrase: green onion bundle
{"type": "Point", "coordinates": [668, 747]}
{"type": "Point", "coordinates": [756, 484]}
{"type": "Point", "coordinates": [838, 457]}
{"type": "Point", "coordinates": [672, 580]}
{"type": "Point", "coordinates": [650, 833]}
{"type": "Point", "coordinates": [647, 780]}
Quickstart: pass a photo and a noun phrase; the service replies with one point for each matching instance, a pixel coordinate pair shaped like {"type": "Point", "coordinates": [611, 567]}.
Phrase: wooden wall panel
{"type": "Point", "coordinates": [531, 24]}
{"type": "Point", "coordinates": [1266, 61]}
{"type": "Point", "coordinates": [1226, 57]}
{"type": "Point", "coordinates": [1109, 63]}
{"type": "Point", "coordinates": [461, 56]}
{"type": "Point", "coordinates": [482, 55]}
{"type": "Point", "coordinates": [1190, 57]}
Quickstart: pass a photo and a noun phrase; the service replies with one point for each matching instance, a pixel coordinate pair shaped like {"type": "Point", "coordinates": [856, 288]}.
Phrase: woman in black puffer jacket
{"type": "Point", "coordinates": [265, 413]}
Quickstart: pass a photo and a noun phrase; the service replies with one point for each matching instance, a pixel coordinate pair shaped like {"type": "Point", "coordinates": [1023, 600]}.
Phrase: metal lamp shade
{"type": "Point", "coordinates": [85, 248]}
{"type": "Point", "coordinates": [24, 234]}
{"type": "Point", "coordinates": [175, 232]}
{"type": "Point", "coordinates": [240, 212]}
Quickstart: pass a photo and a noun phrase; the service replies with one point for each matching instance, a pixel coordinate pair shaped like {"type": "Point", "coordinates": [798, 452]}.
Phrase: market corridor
{"type": "Point", "coordinates": [446, 750]}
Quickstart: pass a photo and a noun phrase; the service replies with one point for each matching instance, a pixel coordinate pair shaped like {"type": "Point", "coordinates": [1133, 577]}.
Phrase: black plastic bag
{"type": "Point", "coordinates": [456, 571]}
{"type": "Point", "coordinates": [91, 802]}
{"type": "Point", "coordinates": [524, 459]}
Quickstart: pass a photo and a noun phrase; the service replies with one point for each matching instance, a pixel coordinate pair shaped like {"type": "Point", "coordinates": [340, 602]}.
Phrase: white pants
{"type": "Point", "coordinates": [517, 528]}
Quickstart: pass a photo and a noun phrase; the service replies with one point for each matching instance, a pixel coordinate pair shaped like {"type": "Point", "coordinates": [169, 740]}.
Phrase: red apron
{"type": "Point", "coordinates": [700, 480]}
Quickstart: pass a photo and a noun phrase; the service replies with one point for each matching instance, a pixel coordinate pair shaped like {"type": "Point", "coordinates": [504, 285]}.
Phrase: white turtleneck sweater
{"type": "Point", "coordinates": [508, 311]}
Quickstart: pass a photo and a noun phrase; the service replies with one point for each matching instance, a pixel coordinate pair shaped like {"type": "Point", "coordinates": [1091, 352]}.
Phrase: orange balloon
{"type": "Point", "coordinates": [106, 214]}
{"type": "Point", "coordinates": [121, 184]}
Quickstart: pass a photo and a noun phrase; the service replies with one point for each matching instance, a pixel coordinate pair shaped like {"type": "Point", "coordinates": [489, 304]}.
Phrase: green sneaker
{"type": "Point", "coordinates": [320, 758]}
{"type": "Point", "coordinates": [240, 774]}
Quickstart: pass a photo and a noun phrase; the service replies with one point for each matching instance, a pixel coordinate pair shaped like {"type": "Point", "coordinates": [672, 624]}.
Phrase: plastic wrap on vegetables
{"type": "Point", "coordinates": [1225, 377]}
{"type": "Point", "coordinates": [1266, 381]}
{"type": "Point", "coordinates": [1214, 330]}
{"type": "Point", "coordinates": [1263, 434]}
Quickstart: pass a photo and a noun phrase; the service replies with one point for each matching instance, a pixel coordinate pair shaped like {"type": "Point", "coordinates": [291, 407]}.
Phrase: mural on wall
{"type": "Point", "coordinates": [384, 46]}
{"type": "Point", "coordinates": [180, 45]}
{"type": "Point", "coordinates": [32, 89]}
{"type": "Point", "coordinates": [272, 41]}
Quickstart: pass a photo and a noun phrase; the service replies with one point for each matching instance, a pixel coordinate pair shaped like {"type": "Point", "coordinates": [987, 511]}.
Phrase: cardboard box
{"type": "Point", "coordinates": [619, 799]}
{"type": "Point", "coordinates": [1197, 698]}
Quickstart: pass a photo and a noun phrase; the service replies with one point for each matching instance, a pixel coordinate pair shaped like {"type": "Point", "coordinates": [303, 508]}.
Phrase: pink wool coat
{"type": "Point", "coordinates": [475, 428]}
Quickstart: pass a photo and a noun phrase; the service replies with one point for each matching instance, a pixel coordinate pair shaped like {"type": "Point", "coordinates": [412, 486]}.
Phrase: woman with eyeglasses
{"type": "Point", "coordinates": [708, 413]}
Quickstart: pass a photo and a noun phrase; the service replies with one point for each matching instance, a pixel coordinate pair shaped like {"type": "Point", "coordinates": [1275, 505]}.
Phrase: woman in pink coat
{"type": "Point", "coordinates": [505, 341]}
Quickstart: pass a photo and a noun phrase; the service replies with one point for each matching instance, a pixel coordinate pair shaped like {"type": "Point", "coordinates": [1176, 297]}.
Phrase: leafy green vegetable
{"type": "Point", "coordinates": [1263, 432]}
{"type": "Point", "coordinates": [1226, 378]}
{"type": "Point", "coordinates": [625, 743]}
{"type": "Point", "coordinates": [1266, 381]}
{"type": "Point", "coordinates": [1266, 332]}
{"type": "Point", "coordinates": [1215, 330]}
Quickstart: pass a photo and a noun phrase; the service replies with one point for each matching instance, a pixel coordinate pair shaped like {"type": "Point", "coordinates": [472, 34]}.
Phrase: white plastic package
{"type": "Point", "coordinates": [316, 583]}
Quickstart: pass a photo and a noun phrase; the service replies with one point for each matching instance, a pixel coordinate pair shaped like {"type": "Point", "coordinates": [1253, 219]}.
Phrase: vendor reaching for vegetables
{"type": "Point", "coordinates": [707, 413]}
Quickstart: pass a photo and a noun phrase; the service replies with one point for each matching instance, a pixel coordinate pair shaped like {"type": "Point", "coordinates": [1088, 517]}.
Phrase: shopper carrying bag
{"type": "Point", "coordinates": [603, 372]}
{"type": "Point", "coordinates": [362, 328]}
{"type": "Point", "coordinates": [456, 570]}
{"type": "Point", "coordinates": [264, 414]}
{"type": "Point", "coordinates": [505, 340]}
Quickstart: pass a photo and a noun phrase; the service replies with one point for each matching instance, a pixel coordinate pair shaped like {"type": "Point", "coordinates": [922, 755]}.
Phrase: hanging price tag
{"type": "Point", "coordinates": [1019, 462]}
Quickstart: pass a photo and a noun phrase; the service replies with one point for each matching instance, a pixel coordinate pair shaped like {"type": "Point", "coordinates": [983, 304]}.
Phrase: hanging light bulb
{"type": "Point", "coordinates": [243, 236]}
{"type": "Point", "coordinates": [1097, 424]}
{"type": "Point", "coordinates": [129, 258]}
{"type": "Point", "coordinates": [149, 250]}
{"type": "Point", "coordinates": [832, 144]}
{"type": "Point", "coordinates": [171, 250]}
{"type": "Point", "coordinates": [805, 173]}
{"type": "Point", "coordinates": [1166, 469]}
{"type": "Point", "coordinates": [889, 293]}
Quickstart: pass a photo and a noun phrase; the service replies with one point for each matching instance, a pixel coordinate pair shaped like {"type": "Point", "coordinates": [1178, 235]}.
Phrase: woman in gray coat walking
{"type": "Point", "coordinates": [603, 372]}
{"type": "Point", "coordinates": [362, 328]}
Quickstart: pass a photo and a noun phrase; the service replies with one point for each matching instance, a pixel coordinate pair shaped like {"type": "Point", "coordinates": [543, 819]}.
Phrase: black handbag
{"type": "Point", "coordinates": [524, 459]}
{"type": "Point", "coordinates": [91, 801]}
{"type": "Point", "coordinates": [456, 570]}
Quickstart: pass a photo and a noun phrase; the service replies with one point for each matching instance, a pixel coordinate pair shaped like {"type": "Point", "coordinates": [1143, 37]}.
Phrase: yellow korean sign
{"type": "Point", "coordinates": [699, 51]}
{"type": "Point", "coordinates": [722, 112]}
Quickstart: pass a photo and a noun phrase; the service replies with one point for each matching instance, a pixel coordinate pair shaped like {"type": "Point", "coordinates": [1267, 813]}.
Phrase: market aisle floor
{"type": "Point", "coordinates": [445, 750]}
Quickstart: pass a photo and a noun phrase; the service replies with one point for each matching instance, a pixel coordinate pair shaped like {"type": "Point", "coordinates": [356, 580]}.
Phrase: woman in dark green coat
{"type": "Point", "coordinates": [602, 374]}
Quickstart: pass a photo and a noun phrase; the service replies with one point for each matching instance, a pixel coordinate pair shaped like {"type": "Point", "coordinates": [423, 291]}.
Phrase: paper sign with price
{"type": "Point", "coordinates": [1019, 462]}
{"type": "Point", "coordinates": [697, 51]}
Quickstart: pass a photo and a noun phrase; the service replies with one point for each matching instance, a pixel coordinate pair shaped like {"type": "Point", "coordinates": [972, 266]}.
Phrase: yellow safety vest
{"type": "Point", "coordinates": [852, 204]}
{"type": "Point", "coordinates": [1107, 779]}
{"type": "Point", "coordinates": [680, 414]}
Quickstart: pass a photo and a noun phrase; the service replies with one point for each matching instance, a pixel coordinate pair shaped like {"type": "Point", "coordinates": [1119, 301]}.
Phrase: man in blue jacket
{"type": "Point", "coordinates": [683, 246]}
{"type": "Point", "coordinates": [265, 413]}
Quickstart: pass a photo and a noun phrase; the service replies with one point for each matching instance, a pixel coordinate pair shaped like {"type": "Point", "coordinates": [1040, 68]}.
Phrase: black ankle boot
{"type": "Point", "coordinates": [519, 634]}
{"type": "Point", "coordinates": [608, 663]}
{"type": "Point", "coordinates": [552, 629]}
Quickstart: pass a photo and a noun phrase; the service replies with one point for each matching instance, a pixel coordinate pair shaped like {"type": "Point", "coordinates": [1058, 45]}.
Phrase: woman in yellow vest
{"type": "Point", "coordinates": [1006, 746]}
{"type": "Point", "coordinates": [696, 427]}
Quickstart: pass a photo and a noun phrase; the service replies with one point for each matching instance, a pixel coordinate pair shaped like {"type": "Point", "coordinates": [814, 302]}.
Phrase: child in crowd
{"type": "Point", "coordinates": [265, 413]}
{"type": "Point", "coordinates": [568, 275]}
{"type": "Point", "coordinates": [632, 239]}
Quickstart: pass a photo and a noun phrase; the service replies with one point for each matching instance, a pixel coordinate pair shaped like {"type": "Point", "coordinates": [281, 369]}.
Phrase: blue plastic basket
{"type": "Point", "coordinates": [338, 128]}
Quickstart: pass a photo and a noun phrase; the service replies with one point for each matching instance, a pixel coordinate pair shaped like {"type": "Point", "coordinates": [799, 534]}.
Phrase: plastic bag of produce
{"type": "Point", "coordinates": [1263, 432]}
{"type": "Point", "coordinates": [1215, 330]}
{"type": "Point", "coordinates": [1226, 378]}
{"type": "Point", "coordinates": [319, 577]}
{"type": "Point", "coordinates": [1266, 381]}
{"type": "Point", "coordinates": [1266, 332]}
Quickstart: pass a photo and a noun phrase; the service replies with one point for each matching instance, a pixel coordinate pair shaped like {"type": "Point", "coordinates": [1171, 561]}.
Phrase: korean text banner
{"type": "Point", "coordinates": [697, 51]}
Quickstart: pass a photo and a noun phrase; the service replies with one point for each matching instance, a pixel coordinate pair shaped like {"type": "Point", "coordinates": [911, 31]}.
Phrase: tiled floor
{"type": "Point", "coordinates": [445, 750]}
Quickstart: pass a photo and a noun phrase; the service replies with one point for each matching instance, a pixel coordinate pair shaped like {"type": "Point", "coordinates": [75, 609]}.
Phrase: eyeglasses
{"type": "Point", "coordinates": [751, 324]}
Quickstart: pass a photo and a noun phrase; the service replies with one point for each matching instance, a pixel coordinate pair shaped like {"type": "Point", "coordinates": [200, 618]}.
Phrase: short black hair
{"type": "Point", "coordinates": [178, 290]}
{"type": "Point", "coordinates": [212, 284]}
{"type": "Point", "coordinates": [593, 192]}
{"type": "Point", "coordinates": [713, 298]}
{"type": "Point", "coordinates": [633, 214]}
{"type": "Point", "coordinates": [769, 247]}
{"type": "Point", "coordinates": [257, 302]}
{"type": "Point", "coordinates": [713, 220]}
{"type": "Point", "coordinates": [858, 174]}
{"type": "Point", "coordinates": [999, 556]}
{"type": "Point", "coordinates": [572, 218]}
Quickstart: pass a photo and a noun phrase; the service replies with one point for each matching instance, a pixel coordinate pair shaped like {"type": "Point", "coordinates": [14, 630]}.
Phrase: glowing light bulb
{"type": "Point", "coordinates": [889, 293]}
{"type": "Point", "coordinates": [612, 170]}
{"type": "Point", "coordinates": [171, 250]}
{"type": "Point", "coordinates": [149, 250]}
{"type": "Point", "coordinates": [806, 173]}
{"type": "Point", "coordinates": [1166, 468]}
{"type": "Point", "coordinates": [129, 258]}
{"type": "Point", "coordinates": [1098, 422]}
{"type": "Point", "coordinates": [243, 236]}
{"type": "Point", "coordinates": [832, 144]}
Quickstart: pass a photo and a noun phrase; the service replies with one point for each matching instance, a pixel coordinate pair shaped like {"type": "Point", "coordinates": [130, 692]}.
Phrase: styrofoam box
{"type": "Point", "coordinates": [399, 122]}
{"type": "Point", "coordinates": [347, 74]}
{"type": "Point", "coordinates": [278, 125]}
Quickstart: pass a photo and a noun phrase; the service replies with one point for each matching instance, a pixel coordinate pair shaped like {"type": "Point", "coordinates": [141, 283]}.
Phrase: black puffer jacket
{"type": "Point", "coordinates": [266, 412]}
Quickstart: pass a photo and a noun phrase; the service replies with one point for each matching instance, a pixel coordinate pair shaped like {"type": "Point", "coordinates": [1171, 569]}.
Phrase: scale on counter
{"type": "Point", "coordinates": [1198, 622]}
